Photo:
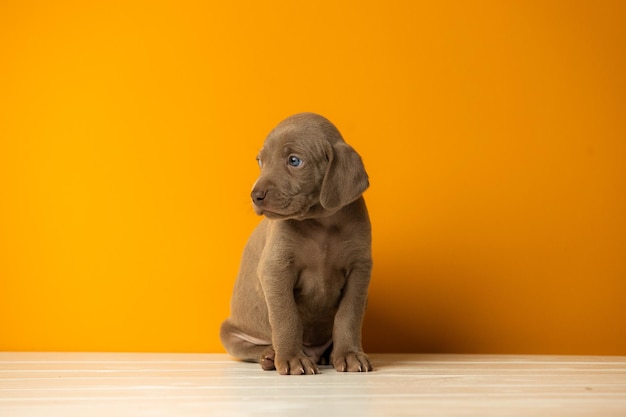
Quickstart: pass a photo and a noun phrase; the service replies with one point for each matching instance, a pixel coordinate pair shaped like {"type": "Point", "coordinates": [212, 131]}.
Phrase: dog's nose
{"type": "Point", "coordinates": [258, 196]}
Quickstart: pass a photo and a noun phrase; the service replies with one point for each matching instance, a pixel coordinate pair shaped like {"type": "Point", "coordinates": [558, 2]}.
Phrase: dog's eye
{"type": "Point", "coordinates": [259, 162]}
{"type": "Point", "coordinates": [294, 161]}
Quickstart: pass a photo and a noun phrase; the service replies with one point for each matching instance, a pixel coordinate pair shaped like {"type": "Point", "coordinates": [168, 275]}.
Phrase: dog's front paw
{"type": "Point", "coordinates": [352, 362]}
{"type": "Point", "coordinates": [299, 364]}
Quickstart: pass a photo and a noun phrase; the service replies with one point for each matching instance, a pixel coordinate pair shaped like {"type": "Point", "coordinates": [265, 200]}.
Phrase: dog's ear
{"type": "Point", "coordinates": [345, 178]}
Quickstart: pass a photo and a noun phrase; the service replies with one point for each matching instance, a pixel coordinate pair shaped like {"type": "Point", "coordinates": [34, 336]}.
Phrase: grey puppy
{"type": "Point", "coordinates": [301, 292]}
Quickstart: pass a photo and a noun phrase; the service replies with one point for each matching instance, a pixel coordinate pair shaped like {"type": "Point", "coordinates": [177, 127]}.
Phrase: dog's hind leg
{"type": "Point", "coordinates": [246, 347]}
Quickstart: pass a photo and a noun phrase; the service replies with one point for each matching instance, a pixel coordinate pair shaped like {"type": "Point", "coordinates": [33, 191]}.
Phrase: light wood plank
{"type": "Point", "coordinates": [113, 384]}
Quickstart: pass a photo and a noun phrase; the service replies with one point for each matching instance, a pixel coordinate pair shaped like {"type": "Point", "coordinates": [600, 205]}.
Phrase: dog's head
{"type": "Point", "coordinates": [307, 170]}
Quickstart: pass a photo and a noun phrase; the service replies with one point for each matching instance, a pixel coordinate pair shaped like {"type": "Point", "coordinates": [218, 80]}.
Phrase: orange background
{"type": "Point", "coordinates": [494, 134]}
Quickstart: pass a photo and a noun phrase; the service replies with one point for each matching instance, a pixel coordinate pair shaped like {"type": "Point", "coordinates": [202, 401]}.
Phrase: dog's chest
{"type": "Point", "coordinates": [321, 268]}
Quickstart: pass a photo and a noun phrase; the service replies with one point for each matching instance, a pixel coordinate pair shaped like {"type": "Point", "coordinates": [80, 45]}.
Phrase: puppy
{"type": "Point", "coordinates": [301, 292]}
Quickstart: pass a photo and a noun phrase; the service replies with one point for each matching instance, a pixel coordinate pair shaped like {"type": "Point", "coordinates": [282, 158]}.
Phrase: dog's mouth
{"type": "Point", "coordinates": [276, 214]}
{"type": "Point", "coordinates": [269, 214]}
{"type": "Point", "coordinates": [314, 211]}
{"type": "Point", "coordinates": [291, 210]}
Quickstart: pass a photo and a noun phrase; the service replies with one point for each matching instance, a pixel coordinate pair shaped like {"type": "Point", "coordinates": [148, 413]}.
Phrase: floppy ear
{"type": "Point", "coordinates": [345, 178]}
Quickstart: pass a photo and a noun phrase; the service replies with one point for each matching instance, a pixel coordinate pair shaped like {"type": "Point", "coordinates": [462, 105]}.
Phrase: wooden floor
{"type": "Point", "coordinates": [179, 385]}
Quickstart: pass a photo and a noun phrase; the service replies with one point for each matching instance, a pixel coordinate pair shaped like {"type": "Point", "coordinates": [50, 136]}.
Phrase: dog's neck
{"type": "Point", "coordinates": [321, 218]}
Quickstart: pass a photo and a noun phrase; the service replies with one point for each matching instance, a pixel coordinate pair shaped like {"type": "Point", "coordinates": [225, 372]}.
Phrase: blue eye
{"type": "Point", "coordinates": [294, 161]}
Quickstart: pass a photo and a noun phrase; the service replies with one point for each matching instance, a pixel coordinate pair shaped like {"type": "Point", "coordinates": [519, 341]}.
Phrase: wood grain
{"type": "Point", "coordinates": [118, 384]}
